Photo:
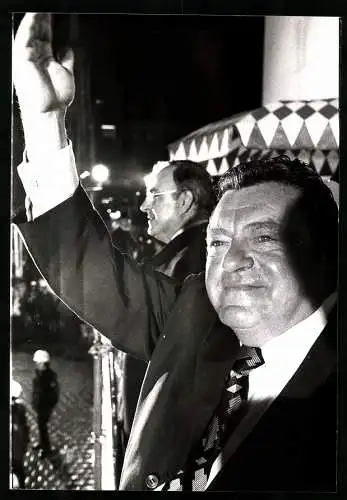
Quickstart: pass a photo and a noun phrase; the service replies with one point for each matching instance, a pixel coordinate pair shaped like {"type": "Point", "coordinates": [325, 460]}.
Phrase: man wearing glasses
{"type": "Point", "coordinates": [178, 203]}
{"type": "Point", "coordinates": [179, 200]}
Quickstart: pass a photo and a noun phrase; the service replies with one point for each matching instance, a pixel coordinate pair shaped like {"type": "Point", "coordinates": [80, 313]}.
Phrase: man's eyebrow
{"type": "Point", "coordinates": [266, 224]}
{"type": "Point", "coordinates": [217, 230]}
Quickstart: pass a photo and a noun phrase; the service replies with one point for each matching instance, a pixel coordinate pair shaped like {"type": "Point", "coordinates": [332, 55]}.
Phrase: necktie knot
{"type": "Point", "coordinates": [248, 359]}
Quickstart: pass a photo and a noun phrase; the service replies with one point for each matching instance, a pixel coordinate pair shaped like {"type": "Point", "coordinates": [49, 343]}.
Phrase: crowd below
{"type": "Point", "coordinates": [39, 318]}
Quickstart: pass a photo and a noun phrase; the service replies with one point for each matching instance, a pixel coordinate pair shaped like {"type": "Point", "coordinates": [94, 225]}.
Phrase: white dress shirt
{"type": "Point", "coordinates": [49, 181]}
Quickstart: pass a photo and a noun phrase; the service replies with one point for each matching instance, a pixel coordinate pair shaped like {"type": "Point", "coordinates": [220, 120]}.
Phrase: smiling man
{"type": "Point", "coordinates": [249, 278]}
{"type": "Point", "coordinates": [240, 393]}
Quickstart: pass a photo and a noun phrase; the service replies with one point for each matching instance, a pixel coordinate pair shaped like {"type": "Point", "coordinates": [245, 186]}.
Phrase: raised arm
{"type": "Point", "coordinates": [44, 86]}
{"type": "Point", "coordinates": [66, 237]}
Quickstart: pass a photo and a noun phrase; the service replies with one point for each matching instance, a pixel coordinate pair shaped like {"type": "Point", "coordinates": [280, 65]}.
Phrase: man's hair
{"type": "Point", "coordinates": [315, 212]}
{"type": "Point", "coordinates": [192, 176]}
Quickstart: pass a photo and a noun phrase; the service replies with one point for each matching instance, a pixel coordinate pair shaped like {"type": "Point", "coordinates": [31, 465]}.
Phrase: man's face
{"type": "Point", "coordinates": [249, 280]}
{"type": "Point", "coordinates": [162, 210]}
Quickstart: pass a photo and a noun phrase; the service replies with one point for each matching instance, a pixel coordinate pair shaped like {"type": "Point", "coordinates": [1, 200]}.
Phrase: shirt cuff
{"type": "Point", "coordinates": [50, 180]}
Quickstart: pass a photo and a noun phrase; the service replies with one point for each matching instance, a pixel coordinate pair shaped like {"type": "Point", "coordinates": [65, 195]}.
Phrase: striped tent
{"type": "Point", "coordinates": [308, 130]}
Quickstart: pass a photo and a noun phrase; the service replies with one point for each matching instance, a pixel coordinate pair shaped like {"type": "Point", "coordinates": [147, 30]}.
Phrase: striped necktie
{"type": "Point", "coordinates": [227, 416]}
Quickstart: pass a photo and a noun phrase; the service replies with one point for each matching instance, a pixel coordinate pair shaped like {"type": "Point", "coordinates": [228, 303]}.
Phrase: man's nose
{"type": "Point", "coordinates": [237, 258]}
{"type": "Point", "coordinates": [145, 205]}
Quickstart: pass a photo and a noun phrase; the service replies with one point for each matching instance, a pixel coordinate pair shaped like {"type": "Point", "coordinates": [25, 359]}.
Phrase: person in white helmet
{"type": "Point", "coordinates": [19, 435]}
{"type": "Point", "coordinates": [45, 396]}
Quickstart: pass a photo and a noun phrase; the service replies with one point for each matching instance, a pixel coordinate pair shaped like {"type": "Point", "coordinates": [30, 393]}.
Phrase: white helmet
{"type": "Point", "coordinates": [16, 389]}
{"type": "Point", "coordinates": [41, 356]}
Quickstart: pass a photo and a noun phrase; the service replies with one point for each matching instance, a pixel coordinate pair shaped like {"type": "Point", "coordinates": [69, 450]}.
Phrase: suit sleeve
{"type": "Point", "coordinates": [72, 249]}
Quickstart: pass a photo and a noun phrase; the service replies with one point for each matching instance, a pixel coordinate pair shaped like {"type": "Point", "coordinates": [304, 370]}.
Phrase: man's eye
{"type": "Point", "coordinates": [217, 243]}
{"type": "Point", "coordinates": [263, 238]}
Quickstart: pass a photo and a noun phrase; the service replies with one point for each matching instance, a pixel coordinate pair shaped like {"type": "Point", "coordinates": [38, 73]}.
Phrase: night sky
{"type": "Point", "coordinates": [158, 78]}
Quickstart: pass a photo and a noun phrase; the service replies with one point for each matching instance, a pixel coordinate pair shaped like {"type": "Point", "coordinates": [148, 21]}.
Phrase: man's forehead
{"type": "Point", "coordinates": [166, 174]}
{"type": "Point", "coordinates": [273, 194]}
{"type": "Point", "coordinates": [151, 179]}
{"type": "Point", "coordinates": [162, 179]}
{"type": "Point", "coordinates": [265, 198]}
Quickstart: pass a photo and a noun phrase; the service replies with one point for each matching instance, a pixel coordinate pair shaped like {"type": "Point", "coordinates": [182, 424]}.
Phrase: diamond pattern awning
{"type": "Point", "coordinates": [308, 130]}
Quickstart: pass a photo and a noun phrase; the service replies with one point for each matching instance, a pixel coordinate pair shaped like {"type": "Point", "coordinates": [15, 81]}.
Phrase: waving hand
{"type": "Point", "coordinates": [43, 84]}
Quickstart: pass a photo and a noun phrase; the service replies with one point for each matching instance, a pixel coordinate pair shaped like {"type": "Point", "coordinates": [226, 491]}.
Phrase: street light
{"type": "Point", "coordinates": [100, 173]}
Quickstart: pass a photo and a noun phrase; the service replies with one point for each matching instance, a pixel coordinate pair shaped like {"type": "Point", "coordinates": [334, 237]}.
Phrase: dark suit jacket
{"type": "Point", "coordinates": [184, 255]}
{"type": "Point", "coordinates": [151, 316]}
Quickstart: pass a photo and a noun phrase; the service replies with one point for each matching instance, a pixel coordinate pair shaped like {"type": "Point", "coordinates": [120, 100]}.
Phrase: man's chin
{"type": "Point", "coordinates": [237, 317]}
{"type": "Point", "coordinates": [244, 324]}
{"type": "Point", "coordinates": [150, 230]}
{"type": "Point", "coordinates": [154, 233]}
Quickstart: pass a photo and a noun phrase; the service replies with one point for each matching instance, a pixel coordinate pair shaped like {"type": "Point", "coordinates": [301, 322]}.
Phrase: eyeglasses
{"type": "Point", "coordinates": [150, 195]}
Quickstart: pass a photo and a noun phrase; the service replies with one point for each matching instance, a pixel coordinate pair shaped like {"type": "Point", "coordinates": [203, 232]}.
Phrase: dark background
{"type": "Point", "coordinates": [161, 77]}
{"type": "Point", "coordinates": [156, 78]}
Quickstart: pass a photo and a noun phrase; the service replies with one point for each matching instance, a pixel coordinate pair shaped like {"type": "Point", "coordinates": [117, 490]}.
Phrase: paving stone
{"type": "Point", "coordinates": [70, 426]}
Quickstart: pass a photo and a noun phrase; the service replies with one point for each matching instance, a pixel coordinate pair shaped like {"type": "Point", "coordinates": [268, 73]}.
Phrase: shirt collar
{"type": "Point", "coordinates": [301, 335]}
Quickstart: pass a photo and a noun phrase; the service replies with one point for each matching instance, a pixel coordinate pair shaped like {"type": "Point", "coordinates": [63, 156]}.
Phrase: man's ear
{"type": "Point", "coordinates": [186, 200]}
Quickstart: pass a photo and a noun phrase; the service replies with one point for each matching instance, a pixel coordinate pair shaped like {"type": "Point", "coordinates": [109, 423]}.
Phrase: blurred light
{"type": "Point", "coordinates": [43, 283]}
{"type": "Point", "coordinates": [84, 174]}
{"type": "Point", "coordinates": [115, 215]}
{"type": "Point", "coordinates": [99, 101]}
{"type": "Point", "coordinates": [106, 201]}
{"type": "Point", "coordinates": [108, 130]}
{"type": "Point", "coordinates": [108, 127]}
{"type": "Point", "coordinates": [100, 173]}
{"type": "Point", "coordinates": [138, 193]}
